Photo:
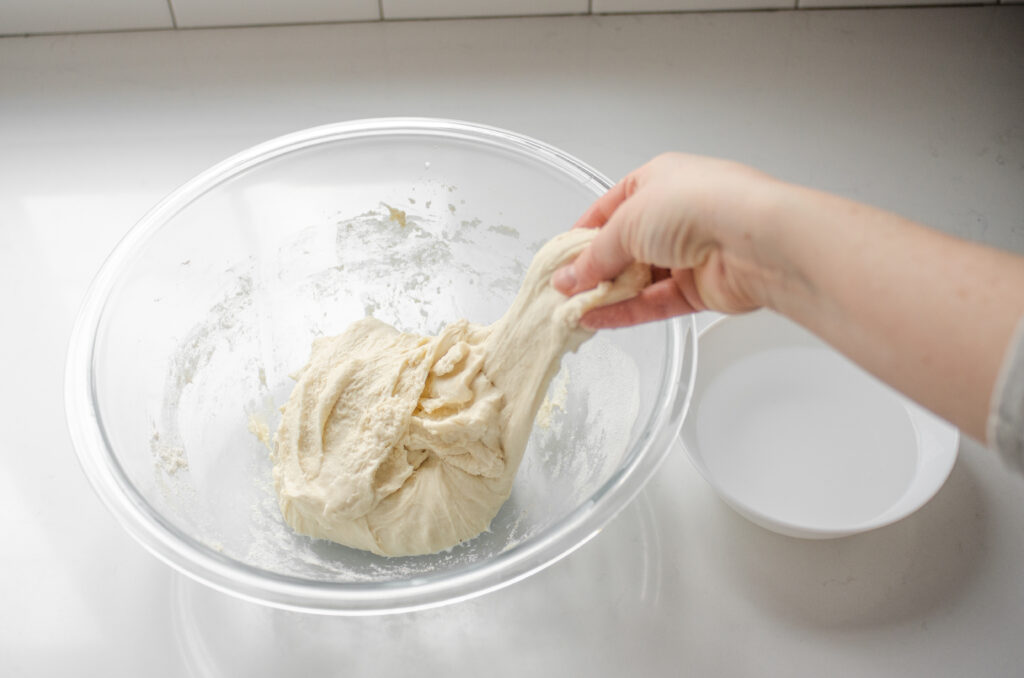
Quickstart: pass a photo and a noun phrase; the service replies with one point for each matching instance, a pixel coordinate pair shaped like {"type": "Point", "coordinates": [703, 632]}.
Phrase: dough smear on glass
{"type": "Point", "coordinates": [401, 444]}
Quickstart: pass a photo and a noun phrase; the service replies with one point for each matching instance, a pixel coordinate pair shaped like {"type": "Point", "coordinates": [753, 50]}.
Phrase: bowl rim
{"type": "Point", "coordinates": [204, 564]}
{"type": "Point", "coordinates": [806, 530]}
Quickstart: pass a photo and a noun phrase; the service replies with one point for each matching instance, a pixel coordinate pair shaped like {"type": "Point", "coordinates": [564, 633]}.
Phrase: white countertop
{"type": "Point", "coordinates": [917, 110]}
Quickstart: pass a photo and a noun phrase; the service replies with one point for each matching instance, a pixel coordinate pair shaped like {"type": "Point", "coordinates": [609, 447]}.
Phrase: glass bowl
{"type": "Point", "coordinates": [182, 351]}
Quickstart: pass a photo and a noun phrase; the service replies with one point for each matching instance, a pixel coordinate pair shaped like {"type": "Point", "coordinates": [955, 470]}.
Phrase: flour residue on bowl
{"type": "Point", "coordinates": [417, 268]}
{"type": "Point", "coordinates": [554, 400]}
{"type": "Point", "coordinates": [589, 409]}
{"type": "Point", "coordinates": [170, 458]}
{"type": "Point", "coordinates": [417, 271]}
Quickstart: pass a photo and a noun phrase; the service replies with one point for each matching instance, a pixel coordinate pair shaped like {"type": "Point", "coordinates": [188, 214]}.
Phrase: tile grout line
{"type": "Point", "coordinates": [174, 17]}
{"type": "Point", "coordinates": [797, 6]}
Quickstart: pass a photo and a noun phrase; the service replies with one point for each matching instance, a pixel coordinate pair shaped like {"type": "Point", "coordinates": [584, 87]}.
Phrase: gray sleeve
{"type": "Point", "coordinates": [1006, 414]}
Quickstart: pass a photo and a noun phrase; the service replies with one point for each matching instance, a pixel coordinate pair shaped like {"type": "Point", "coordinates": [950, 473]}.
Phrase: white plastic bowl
{"type": "Point", "coordinates": [803, 442]}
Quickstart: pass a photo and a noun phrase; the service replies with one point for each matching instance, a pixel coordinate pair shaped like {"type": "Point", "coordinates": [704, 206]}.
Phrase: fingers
{"type": "Point", "coordinates": [663, 299]}
{"type": "Point", "coordinates": [605, 257]}
{"type": "Point", "coordinates": [603, 208]}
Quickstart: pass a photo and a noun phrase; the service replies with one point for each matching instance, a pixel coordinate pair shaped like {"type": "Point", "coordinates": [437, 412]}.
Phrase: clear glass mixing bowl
{"type": "Point", "coordinates": [181, 354]}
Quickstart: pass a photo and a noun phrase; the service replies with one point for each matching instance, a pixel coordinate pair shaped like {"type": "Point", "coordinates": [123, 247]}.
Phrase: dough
{"type": "Point", "coordinates": [401, 444]}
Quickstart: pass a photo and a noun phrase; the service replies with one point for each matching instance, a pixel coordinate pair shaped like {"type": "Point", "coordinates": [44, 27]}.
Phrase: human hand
{"type": "Point", "coordinates": [694, 221]}
{"type": "Point", "coordinates": [894, 296]}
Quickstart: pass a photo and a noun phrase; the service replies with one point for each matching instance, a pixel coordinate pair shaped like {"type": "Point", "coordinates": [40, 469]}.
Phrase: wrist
{"type": "Point", "coordinates": [777, 244]}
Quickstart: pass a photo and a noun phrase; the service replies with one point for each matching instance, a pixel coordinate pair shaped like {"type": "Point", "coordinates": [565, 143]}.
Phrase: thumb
{"type": "Point", "coordinates": [604, 258]}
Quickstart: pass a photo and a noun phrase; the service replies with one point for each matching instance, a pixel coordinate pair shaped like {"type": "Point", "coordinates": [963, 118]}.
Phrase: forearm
{"type": "Point", "coordinates": [929, 314]}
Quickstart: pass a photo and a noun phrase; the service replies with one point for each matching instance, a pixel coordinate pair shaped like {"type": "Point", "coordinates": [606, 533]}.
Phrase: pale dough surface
{"type": "Point", "coordinates": [402, 444]}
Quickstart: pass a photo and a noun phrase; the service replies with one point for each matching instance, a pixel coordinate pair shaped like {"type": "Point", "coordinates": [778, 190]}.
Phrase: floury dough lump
{"type": "Point", "coordinates": [402, 444]}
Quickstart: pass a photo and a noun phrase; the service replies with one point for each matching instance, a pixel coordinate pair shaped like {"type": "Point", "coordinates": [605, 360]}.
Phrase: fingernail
{"type": "Point", "coordinates": [564, 279]}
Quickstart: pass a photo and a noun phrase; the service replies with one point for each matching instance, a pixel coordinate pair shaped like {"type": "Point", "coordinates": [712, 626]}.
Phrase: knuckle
{"type": "Point", "coordinates": [631, 184]}
{"type": "Point", "coordinates": [588, 271]}
{"type": "Point", "coordinates": [631, 233]}
{"type": "Point", "coordinates": [667, 160]}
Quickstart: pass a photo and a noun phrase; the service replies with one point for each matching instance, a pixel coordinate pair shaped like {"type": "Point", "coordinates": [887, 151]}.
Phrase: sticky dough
{"type": "Point", "coordinates": [402, 444]}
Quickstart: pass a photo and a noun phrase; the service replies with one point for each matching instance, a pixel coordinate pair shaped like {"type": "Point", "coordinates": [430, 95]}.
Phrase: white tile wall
{"type": "Point", "coordinates": [54, 16]}
{"type": "Point", "coordinates": [887, 3]}
{"type": "Point", "coordinates": [192, 13]}
{"type": "Point", "coordinates": [436, 9]}
{"type": "Point", "coordinates": [18, 17]}
{"type": "Point", "coordinates": [621, 6]}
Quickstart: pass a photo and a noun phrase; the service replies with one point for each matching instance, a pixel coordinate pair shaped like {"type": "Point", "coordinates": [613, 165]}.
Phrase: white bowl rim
{"type": "Point", "coordinates": [949, 452]}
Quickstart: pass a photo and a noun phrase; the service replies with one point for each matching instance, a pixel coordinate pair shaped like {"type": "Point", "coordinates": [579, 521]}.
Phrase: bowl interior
{"type": "Point", "coordinates": [802, 441]}
{"type": "Point", "coordinates": [215, 298]}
